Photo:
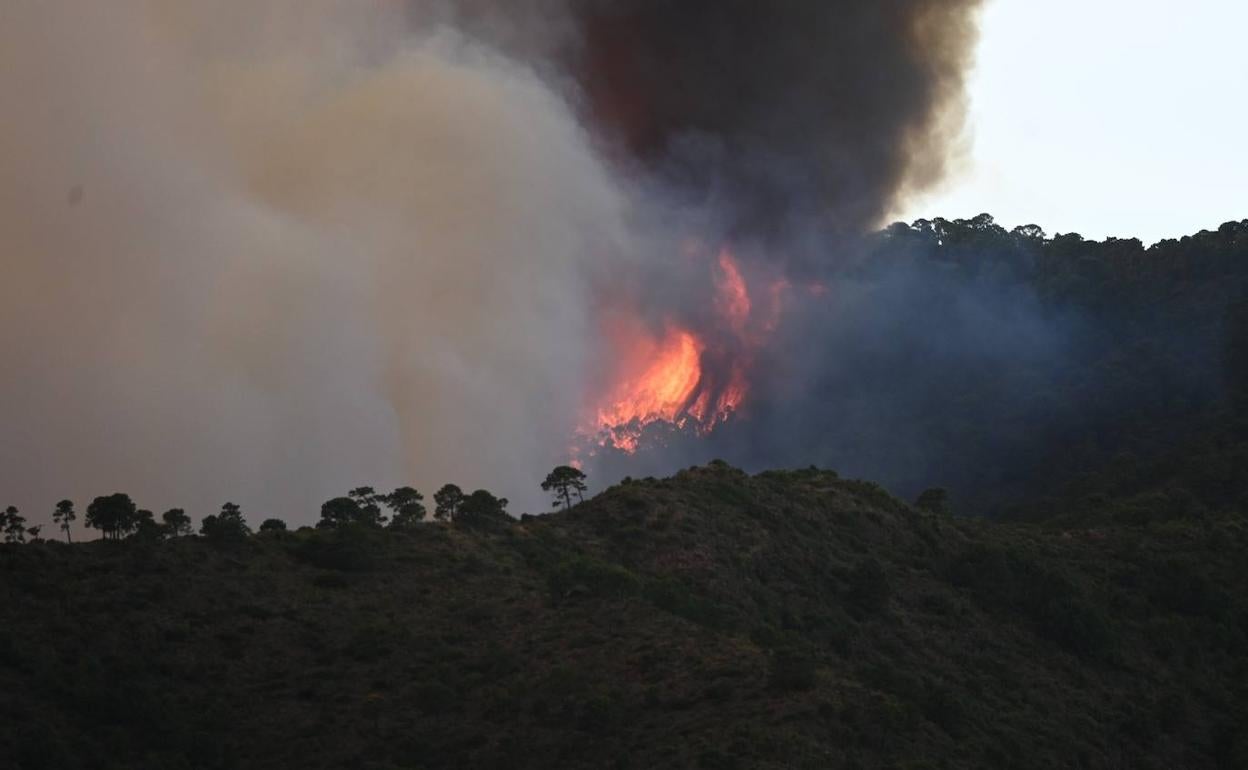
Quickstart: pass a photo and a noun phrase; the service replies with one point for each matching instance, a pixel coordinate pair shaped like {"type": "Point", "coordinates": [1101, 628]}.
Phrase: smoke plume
{"type": "Point", "coordinates": [772, 112]}
{"type": "Point", "coordinates": [271, 250]}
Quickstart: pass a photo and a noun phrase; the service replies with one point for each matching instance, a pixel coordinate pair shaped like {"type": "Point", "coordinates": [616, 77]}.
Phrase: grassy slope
{"type": "Point", "coordinates": [710, 620]}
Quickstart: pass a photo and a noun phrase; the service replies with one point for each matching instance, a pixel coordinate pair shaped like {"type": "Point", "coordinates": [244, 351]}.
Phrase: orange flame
{"type": "Point", "coordinates": [661, 389]}
{"type": "Point", "coordinates": [665, 377]}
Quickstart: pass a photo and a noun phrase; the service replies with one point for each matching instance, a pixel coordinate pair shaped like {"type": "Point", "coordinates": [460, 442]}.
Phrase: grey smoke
{"type": "Point", "coordinates": [309, 254]}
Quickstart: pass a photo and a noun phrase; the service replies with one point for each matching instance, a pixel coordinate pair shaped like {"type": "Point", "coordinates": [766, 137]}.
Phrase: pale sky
{"type": "Point", "coordinates": [1105, 117]}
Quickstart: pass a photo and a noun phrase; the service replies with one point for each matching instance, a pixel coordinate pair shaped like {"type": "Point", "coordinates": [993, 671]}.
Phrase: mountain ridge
{"type": "Point", "coordinates": [712, 619]}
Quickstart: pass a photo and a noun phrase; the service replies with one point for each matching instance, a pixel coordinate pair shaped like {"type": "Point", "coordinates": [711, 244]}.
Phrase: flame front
{"type": "Point", "coordinates": [662, 389]}
{"type": "Point", "coordinates": [693, 381]}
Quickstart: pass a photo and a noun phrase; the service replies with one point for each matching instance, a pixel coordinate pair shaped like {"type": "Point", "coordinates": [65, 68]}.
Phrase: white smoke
{"type": "Point", "coordinates": [269, 250]}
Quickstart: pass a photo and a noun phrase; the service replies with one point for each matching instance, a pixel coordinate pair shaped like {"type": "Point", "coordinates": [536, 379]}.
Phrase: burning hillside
{"type": "Point", "coordinates": [691, 375]}
{"type": "Point", "coordinates": [757, 121]}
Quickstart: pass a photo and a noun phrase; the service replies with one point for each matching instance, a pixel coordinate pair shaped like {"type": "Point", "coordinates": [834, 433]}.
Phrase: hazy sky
{"type": "Point", "coordinates": [1105, 117]}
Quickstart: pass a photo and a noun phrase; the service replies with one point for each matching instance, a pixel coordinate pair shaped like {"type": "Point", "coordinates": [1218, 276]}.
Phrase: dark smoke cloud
{"type": "Point", "coordinates": [775, 111]}
{"type": "Point", "coordinates": [783, 109]}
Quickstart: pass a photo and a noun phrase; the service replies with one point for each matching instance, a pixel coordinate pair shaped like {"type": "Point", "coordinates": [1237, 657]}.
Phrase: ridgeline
{"type": "Point", "coordinates": [711, 620]}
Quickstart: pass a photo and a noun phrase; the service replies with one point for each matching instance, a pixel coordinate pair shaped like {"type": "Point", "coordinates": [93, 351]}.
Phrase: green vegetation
{"type": "Point", "coordinates": [713, 619]}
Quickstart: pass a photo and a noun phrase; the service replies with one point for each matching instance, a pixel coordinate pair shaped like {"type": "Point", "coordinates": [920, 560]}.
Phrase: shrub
{"type": "Point", "coordinates": [591, 577]}
{"type": "Point", "coordinates": [599, 713]}
{"type": "Point", "coordinates": [872, 494]}
{"type": "Point", "coordinates": [1176, 587]}
{"type": "Point", "coordinates": [482, 510]}
{"type": "Point", "coordinates": [675, 597]}
{"type": "Point", "coordinates": [729, 493]}
{"type": "Point", "coordinates": [935, 500]}
{"type": "Point", "coordinates": [869, 589]}
{"type": "Point", "coordinates": [1005, 581]}
{"type": "Point", "coordinates": [793, 670]}
{"type": "Point", "coordinates": [330, 580]}
{"type": "Point", "coordinates": [943, 707]}
{"type": "Point", "coordinates": [346, 548]}
{"type": "Point", "coordinates": [433, 697]}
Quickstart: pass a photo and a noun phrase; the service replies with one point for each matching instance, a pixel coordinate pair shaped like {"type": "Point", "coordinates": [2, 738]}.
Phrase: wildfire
{"type": "Point", "coordinates": [664, 387]}
{"type": "Point", "coordinates": [690, 379]}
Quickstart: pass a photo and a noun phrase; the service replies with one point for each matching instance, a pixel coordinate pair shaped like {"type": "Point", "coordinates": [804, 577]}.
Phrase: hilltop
{"type": "Point", "coordinates": [713, 619]}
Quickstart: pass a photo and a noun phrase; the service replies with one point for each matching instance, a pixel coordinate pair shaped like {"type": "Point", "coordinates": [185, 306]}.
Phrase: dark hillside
{"type": "Point", "coordinates": [718, 620]}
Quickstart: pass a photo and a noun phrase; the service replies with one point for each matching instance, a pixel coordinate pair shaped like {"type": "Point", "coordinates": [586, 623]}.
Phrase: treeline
{"type": "Point", "coordinates": [1115, 271]}
{"type": "Point", "coordinates": [117, 517]}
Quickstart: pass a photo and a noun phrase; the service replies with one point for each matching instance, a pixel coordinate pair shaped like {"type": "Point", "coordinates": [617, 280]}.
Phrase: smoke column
{"type": "Point", "coordinates": [773, 112]}
{"type": "Point", "coordinates": [271, 250]}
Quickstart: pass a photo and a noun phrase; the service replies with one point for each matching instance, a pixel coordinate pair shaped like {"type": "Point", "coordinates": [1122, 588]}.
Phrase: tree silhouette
{"type": "Point", "coordinates": [407, 507]}
{"type": "Point", "coordinates": [369, 503]}
{"type": "Point", "coordinates": [227, 525]}
{"type": "Point", "coordinates": [447, 501]}
{"type": "Point", "coordinates": [114, 515]}
{"type": "Point", "coordinates": [13, 524]}
{"type": "Point", "coordinates": [231, 517]}
{"type": "Point", "coordinates": [273, 525]}
{"type": "Point", "coordinates": [869, 589]}
{"type": "Point", "coordinates": [563, 481]}
{"type": "Point", "coordinates": [338, 512]}
{"type": "Point", "coordinates": [145, 526]}
{"type": "Point", "coordinates": [177, 523]}
{"type": "Point", "coordinates": [481, 509]}
{"type": "Point", "coordinates": [63, 516]}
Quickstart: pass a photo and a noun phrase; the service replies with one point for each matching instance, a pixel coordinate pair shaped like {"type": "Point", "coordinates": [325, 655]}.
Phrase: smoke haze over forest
{"type": "Point", "coordinates": [272, 250]}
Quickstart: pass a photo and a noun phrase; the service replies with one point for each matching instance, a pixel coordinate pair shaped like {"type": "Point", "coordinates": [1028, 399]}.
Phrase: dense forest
{"type": "Point", "coordinates": [1147, 406]}
{"type": "Point", "coordinates": [1159, 381]}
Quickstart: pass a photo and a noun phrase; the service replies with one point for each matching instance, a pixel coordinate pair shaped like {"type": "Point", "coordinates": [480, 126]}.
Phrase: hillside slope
{"type": "Point", "coordinates": [717, 620]}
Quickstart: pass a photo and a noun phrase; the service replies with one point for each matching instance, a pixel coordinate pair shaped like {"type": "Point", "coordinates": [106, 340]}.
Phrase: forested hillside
{"type": "Point", "coordinates": [1090, 398]}
{"type": "Point", "coordinates": [1030, 375]}
{"type": "Point", "coordinates": [714, 619]}
{"type": "Point", "coordinates": [1149, 409]}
